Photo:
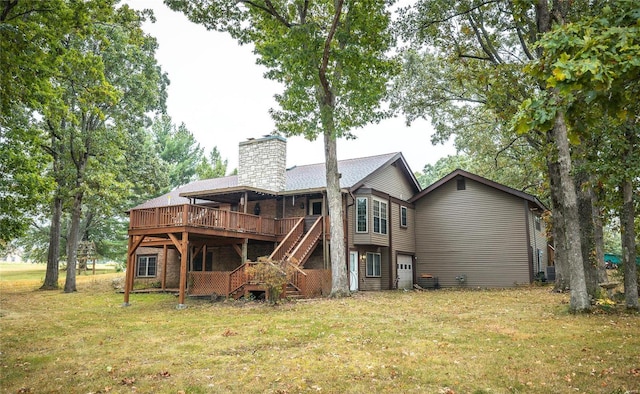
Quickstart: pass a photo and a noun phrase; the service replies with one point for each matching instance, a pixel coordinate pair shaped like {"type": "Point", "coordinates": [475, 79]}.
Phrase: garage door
{"type": "Point", "coordinates": [405, 271]}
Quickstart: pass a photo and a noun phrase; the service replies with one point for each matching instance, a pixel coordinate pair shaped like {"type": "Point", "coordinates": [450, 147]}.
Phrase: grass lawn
{"type": "Point", "coordinates": [445, 341]}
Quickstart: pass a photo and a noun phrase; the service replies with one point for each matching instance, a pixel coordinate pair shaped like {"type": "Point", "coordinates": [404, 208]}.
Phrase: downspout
{"type": "Point", "coordinates": [325, 252]}
{"type": "Point", "coordinates": [346, 213]}
{"type": "Point", "coordinates": [389, 222]}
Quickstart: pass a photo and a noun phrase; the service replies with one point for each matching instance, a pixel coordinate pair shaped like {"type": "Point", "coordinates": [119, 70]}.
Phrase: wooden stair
{"type": "Point", "coordinates": [305, 246]}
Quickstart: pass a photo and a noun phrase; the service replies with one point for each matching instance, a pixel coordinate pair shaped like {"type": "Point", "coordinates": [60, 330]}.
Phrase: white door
{"type": "Point", "coordinates": [405, 271]}
{"type": "Point", "coordinates": [353, 271]}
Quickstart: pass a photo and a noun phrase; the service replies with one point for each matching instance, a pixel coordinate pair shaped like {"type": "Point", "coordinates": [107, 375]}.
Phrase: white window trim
{"type": "Point", "coordinates": [382, 230]}
{"type": "Point", "coordinates": [406, 216]}
{"type": "Point", "coordinates": [146, 259]}
{"type": "Point", "coordinates": [366, 215]}
{"type": "Point", "coordinates": [373, 266]}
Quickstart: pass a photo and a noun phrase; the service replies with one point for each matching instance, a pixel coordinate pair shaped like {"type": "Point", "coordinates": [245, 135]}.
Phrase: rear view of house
{"type": "Point", "coordinates": [202, 238]}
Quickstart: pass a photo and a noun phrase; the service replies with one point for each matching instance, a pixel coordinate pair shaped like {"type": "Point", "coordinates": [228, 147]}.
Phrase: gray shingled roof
{"type": "Point", "coordinates": [173, 197]}
{"type": "Point", "coordinates": [312, 176]}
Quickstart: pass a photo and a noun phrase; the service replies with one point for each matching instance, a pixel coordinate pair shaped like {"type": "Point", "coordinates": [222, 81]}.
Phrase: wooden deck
{"type": "Point", "coordinates": [208, 221]}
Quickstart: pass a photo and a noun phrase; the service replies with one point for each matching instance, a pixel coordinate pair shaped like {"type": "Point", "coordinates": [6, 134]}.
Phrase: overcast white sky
{"type": "Point", "coordinates": [220, 94]}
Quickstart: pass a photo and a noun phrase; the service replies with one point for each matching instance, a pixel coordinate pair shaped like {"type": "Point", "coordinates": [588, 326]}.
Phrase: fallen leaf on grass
{"type": "Point", "coordinates": [229, 333]}
{"type": "Point", "coordinates": [164, 374]}
{"type": "Point", "coordinates": [128, 381]}
{"type": "Point", "coordinates": [635, 372]}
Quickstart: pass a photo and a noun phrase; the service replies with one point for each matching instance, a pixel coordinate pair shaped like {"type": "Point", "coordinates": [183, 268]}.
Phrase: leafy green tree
{"type": "Point", "coordinates": [593, 67]}
{"type": "Point", "coordinates": [26, 28]}
{"type": "Point", "coordinates": [473, 59]}
{"type": "Point", "coordinates": [23, 186]}
{"type": "Point", "coordinates": [107, 81]}
{"type": "Point", "coordinates": [212, 167]}
{"type": "Point", "coordinates": [178, 149]}
{"type": "Point", "coordinates": [331, 57]}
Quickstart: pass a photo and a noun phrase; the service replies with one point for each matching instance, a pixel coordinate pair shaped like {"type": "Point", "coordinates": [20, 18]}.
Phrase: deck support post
{"type": "Point", "coordinates": [184, 248]}
{"type": "Point", "coordinates": [164, 266]}
{"type": "Point", "coordinates": [245, 244]}
{"type": "Point", "coordinates": [129, 271]}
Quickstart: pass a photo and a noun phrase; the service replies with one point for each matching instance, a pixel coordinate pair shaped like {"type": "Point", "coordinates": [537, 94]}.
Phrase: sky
{"type": "Point", "coordinates": [221, 96]}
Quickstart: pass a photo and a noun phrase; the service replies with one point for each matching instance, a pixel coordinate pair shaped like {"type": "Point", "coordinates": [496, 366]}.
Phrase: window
{"type": "Point", "coordinates": [537, 221]}
{"type": "Point", "coordinates": [361, 215]}
{"type": "Point", "coordinates": [373, 264]}
{"type": "Point", "coordinates": [461, 184]}
{"type": "Point", "coordinates": [147, 266]}
{"type": "Point", "coordinates": [403, 216]}
{"type": "Point", "coordinates": [379, 217]}
{"type": "Point", "coordinates": [315, 208]}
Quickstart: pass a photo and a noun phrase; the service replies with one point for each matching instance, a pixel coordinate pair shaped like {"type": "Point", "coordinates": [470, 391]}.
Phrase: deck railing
{"type": "Point", "coordinates": [300, 254]}
{"type": "Point", "coordinates": [199, 216]}
{"type": "Point", "coordinates": [289, 242]}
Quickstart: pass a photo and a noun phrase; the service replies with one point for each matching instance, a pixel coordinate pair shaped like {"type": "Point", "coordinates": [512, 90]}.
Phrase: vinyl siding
{"type": "Point", "coordinates": [374, 283]}
{"type": "Point", "coordinates": [369, 238]}
{"type": "Point", "coordinates": [538, 241]}
{"type": "Point", "coordinates": [479, 232]}
{"type": "Point", "coordinates": [403, 238]}
{"type": "Point", "coordinates": [392, 181]}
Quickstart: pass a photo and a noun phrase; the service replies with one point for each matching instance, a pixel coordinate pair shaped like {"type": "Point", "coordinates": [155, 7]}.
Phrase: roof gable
{"type": "Point", "coordinates": [485, 181]}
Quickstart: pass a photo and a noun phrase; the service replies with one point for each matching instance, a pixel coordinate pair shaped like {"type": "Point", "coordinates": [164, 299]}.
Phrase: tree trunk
{"type": "Point", "coordinates": [560, 241]}
{"type": "Point", "coordinates": [587, 240]}
{"type": "Point", "coordinates": [629, 248]}
{"type": "Point", "coordinates": [598, 236]}
{"type": "Point", "coordinates": [53, 256]}
{"type": "Point", "coordinates": [72, 243]}
{"type": "Point", "coordinates": [339, 282]}
{"type": "Point", "coordinates": [579, 297]}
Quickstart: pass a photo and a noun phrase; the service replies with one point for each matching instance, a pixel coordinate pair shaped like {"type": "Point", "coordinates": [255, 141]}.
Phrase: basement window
{"type": "Point", "coordinates": [147, 266]}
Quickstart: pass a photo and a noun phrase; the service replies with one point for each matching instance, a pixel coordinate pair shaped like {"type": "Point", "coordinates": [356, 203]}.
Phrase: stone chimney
{"type": "Point", "coordinates": [262, 163]}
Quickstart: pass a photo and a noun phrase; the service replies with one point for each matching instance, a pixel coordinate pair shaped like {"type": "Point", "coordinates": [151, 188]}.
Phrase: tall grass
{"type": "Point", "coordinates": [508, 341]}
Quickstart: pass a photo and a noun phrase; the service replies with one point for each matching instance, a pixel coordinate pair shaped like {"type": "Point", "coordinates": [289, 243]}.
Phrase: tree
{"type": "Point", "coordinates": [593, 66]}
{"type": "Point", "coordinates": [106, 82]}
{"type": "Point", "coordinates": [331, 57]}
{"type": "Point", "coordinates": [25, 66]}
{"type": "Point", "coordinates": [475, 52]}
{"type": "Point", "coordinates": [22, 165]}
{"type": "Point", "coordinates": [212, 167]}
{"type": "Point", "coordinates": [178, 149]}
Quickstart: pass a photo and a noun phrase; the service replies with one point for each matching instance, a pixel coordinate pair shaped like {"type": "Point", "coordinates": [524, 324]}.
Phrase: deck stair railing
{"type": "Point", "coordinates": [303, 249]}
{"type": "Point", "coordinates": [297, 278]}
{"type": "Point", "coordinates": [289, 242]}
{"type": "Point", "coordinates": [237, 279]}
{"type": "Point", "coordinates": [240, 277]}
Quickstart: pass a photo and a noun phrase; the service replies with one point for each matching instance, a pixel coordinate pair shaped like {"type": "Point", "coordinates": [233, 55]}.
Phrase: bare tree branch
{"type": "Point", "coordinates": [322, 73]}
{"type": "Point", "coordinates": [427, 24]}
{"type": "Point", "coordinates": [269, 9]}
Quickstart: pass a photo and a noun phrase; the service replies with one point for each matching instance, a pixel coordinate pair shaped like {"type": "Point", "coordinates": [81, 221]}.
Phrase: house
{"type": "Point", "coordinates": [474, 232]}
{"type": "Point", "coordinates": [201, 238]}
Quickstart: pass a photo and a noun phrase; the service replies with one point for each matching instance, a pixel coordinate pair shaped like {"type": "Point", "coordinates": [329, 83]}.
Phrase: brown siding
{"type": "Point", "coordinates": [479, 232]}
{"type": "Point", "coordinates": [538, 241]}
{"type": "Point", "coordinates": [403, 238]}
{"type": "Point", "coordinates": [392, 181]}
{"type": "Point", "coordinates": [374, 283]}
{"type": "Point", "coordinates": [370, 238]}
